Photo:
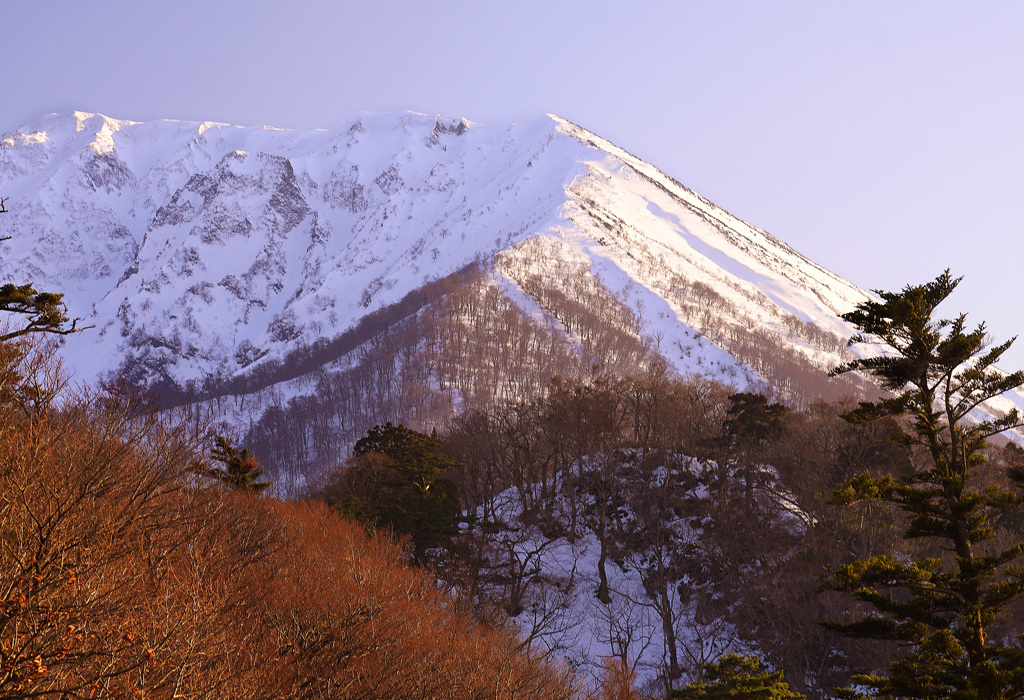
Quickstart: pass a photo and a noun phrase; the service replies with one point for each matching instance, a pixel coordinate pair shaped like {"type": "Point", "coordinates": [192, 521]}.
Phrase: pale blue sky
{"type": "Point", "coordinates": [881, 139]}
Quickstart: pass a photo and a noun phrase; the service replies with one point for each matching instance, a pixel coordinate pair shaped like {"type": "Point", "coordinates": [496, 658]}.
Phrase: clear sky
{"type": "Point", "coordinates": [883, 139]}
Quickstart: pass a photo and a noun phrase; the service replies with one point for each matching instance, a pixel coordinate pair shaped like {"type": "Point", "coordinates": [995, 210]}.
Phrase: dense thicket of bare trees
{"type": "Point", "coordinates": [470, 341]}
{"type": "Point", "coordinates": [125, 572]}
{"type": "Point", "coordinates": [472, 348]}
{"type": "Point", "coordinates": [718, 502]}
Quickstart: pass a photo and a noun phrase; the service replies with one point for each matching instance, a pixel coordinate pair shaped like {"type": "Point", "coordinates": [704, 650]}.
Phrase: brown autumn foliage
{"type": "Point", "coordinates": [618, 682]}
{"type": "Point", "coordinates": [124, 574]}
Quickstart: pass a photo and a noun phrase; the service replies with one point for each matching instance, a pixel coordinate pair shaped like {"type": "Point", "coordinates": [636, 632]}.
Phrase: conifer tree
{"type": "Point", "coordinates": [240, 469]}
{"type": "Point", "coordinates": [397, 481]}
{"type": "Point", "coordinates": [45, 311]}
{"type": "Point", "coordinates": [750, 424]}
{"type": "Point", "coordinates": [740, 677]}
{"type": "Point", "coordinates": [942, 606]}
{"type": "Point", "coordinates": [751, 418]}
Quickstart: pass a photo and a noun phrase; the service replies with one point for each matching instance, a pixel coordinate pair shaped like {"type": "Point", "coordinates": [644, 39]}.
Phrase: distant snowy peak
{"type": "Point", "coordinates": [200, 248]}
{"type": "Point", "coordinates": [774, 255]}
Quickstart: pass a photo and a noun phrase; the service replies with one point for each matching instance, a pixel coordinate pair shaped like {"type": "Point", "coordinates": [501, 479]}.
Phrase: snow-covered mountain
{"type": "Point", "coordinates": [306, 285]}
{"type": "Point", "coordinates": [234, 260]}
{"type": "Point", "coordinates": [201, 247]}
{"type": "Point", "coordinates": [198, 247]}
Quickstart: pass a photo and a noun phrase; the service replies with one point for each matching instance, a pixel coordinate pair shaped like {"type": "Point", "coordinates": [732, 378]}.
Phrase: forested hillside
{"type": "Point", "coordinates": [473, 343]}
{"type": "Point", "coordinates": [312, 284]}
{"type": "Point", "coordinates": [128, 573]}
{"type": "Point", "coordinates": [421, 408]}
{"type": "Point", "coordinates": [619, 530]}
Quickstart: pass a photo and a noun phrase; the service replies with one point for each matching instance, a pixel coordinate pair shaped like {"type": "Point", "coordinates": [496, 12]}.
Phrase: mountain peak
{"type": "Point", "coordinates": [200, 249]}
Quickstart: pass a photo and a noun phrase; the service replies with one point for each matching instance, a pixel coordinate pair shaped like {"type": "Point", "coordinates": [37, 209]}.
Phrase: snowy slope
{"type": "Point", "coordinates": [199, 247]}
{"type": "Point", "coordinates": [203, 249]}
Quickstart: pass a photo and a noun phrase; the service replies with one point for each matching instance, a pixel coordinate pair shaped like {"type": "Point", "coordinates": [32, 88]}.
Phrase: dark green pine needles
{"type": "Point", "coordinates": [397, 481]}
{"type": "Point", "coordinates": [238, 468]}
{"type": "Point", "coordinates": [738, 677]}
{"type": "Point", "coordinates": [45, 311]}
{"type": "Point", "coordinates": [942, 606]}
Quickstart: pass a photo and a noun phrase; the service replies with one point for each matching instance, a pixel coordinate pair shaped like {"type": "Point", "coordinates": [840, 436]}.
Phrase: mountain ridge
{"type": "Point", "coordinates": [209, 256]}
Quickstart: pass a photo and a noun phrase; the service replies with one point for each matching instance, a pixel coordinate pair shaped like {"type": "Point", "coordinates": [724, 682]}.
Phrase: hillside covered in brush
{"type": "Point", "coordinates": [590, 408]}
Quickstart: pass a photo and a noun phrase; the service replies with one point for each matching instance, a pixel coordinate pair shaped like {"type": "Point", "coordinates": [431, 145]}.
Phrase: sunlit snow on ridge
{"type": "Point", "coordinates": [173, 243]}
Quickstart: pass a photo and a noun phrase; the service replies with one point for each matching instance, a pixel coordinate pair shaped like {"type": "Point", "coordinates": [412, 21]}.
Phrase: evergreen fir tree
{"type": "Point", "coordinates": [751, 418]}
{"type": "Point", "coordinates": [397, 481]}
{"type": "Point", "coordinates": [740, 677]}
{"type": "Point", "coordinates": [240, 469]}
{"type": "Point", "coordinates": [941, 606]}
{"type": "Point", "coordinates": [750, 424]}
{"type": "Point", "coordinates": [45, 311]}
